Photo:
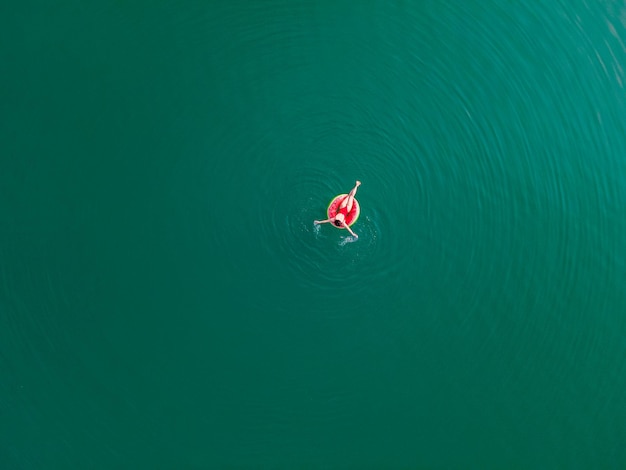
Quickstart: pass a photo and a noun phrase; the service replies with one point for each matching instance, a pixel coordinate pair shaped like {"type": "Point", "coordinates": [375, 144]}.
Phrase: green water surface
{"type": "Point", "coordinates": [167, 302]}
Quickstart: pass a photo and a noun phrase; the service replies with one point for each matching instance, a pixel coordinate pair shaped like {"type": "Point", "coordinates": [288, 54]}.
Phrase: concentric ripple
{"type": "Point", "coordinates": [487, 147]}
{"type": "Point", "coordinates": [166, 163]}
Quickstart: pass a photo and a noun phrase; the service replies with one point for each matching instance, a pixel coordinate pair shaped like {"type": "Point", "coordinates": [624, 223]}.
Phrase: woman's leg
{"type": "Point", "coordinates": [348, 201]}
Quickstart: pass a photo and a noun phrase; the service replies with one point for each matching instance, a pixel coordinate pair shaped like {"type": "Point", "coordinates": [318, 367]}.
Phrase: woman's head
{"type": "Point", "coordinates": [339, 220]}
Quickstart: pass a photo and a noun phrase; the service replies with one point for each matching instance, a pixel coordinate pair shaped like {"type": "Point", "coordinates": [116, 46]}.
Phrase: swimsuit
{"type": "Point", "coordinates": [343, 210]}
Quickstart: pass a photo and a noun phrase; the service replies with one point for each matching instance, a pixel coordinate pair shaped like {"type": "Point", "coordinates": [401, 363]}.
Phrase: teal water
{"type": "Point", "coordinates": [167, 302]}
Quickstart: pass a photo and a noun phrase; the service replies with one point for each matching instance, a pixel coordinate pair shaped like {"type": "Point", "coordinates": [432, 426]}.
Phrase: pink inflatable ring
{"type": "Point", "coordinates": [351, 217]}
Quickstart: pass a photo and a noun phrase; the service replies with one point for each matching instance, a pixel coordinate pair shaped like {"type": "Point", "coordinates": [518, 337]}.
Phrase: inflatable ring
{"type": "Point", "coordinates": [350, 216]}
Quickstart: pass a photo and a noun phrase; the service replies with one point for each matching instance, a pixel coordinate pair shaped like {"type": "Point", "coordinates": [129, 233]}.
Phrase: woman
{"type": "Point", "coordinates": [344, 209]}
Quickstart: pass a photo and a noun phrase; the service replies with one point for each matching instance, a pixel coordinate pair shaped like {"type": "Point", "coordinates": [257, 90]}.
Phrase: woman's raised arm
{"type": "Point", "coordinates": [350, 230]}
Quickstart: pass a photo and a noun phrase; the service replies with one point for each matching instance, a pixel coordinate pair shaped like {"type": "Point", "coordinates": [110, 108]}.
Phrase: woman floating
{"type": "Point", "coordinates": [345, 213]}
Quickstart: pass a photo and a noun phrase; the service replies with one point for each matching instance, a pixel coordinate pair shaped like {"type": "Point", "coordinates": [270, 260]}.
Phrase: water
{"type": "Point", "coordinates": [167, 302]}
